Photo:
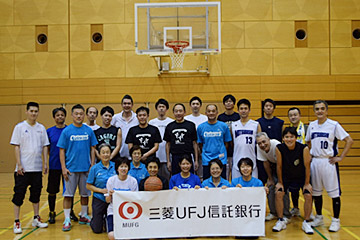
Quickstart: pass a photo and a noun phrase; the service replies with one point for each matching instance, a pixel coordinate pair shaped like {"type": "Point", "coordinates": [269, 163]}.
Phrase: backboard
{"type": "Point", "coordinates": [199, 23]}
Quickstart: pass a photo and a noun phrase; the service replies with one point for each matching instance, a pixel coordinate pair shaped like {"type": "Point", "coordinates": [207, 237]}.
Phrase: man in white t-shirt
{"type": "Point", "coordinates": [91, 114]}
{"type": "Point", "coordinates": [162, 106]}
{"type": "Point", "coordinates": [30, 140]}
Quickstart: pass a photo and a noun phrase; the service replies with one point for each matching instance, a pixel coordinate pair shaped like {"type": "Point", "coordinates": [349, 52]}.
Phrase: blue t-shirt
{"type": "Point", "coordinates": [213, 138]}
{"type": "Point", "coordinates": [209, 183]}
{"type": "Point", "coordinates": [180, 182]}
{"type": "Point", "coordinates": [254, 182]}
{"type": "Point", "coordinates": [272, 127]}
{"type": "Point", "coordinates": [77, 142]}
{"type": "Point", "coordinates": [54, 158]}
{"type": "Point", "coordinates": [138, 173]}
{"type": "Point", "coordinates": [98, 176]}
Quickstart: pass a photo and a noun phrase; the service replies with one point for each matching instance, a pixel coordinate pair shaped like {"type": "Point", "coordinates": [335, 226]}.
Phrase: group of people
{"type": "Point", "coordinates": [226, 150]}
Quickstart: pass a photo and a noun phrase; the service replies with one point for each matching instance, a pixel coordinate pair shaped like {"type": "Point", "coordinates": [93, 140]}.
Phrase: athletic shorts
{"type": "Point", "coordinates": [110, 223]}
{"type": "Point", "coordinates": [325, 175]}
{"type": "Point", "coordinates": [32, 179]}
{"type": "Point", "coordinates": [77, 179]}
{"type": "Point", "coordinates": [54, 178]}
{"type": "Point", "coordinates": [293, 186]}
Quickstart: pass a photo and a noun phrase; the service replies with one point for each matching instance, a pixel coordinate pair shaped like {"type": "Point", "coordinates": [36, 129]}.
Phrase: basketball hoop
{"type": "Point", "coordinates": [177, 55]}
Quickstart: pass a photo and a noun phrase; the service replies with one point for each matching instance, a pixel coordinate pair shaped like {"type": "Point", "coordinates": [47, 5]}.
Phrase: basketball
{"type": "Point", "coordinates": [153, 184]}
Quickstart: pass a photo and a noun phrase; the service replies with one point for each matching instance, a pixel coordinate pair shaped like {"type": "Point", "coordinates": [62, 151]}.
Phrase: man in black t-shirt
{"type": "Point", "coordinates": [144, 135]}
{"type": "Point", "coordinates": [180, 136]}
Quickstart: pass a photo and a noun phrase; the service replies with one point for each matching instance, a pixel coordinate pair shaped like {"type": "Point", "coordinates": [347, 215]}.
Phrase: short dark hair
{"type": "Point", "coordinates": [32, 104]}
{"type": "Point", "coordinates": [229, 96]}
{"type": "Point", "coordinates": [291, 130]}
{"type": "Point", "coordinates": [180, 104]}
{"type": "Point", "coordinates": [133, 149]}
{"type": "Point", "coordinates": [244, 101]}
{"type": "Point", "coordinates": [127, 97]}
{"type": "Point", "coordinates": [162, 101]}
{"type": "Point", "coordinates": [153, 159]}
{"type": "Point", "coordinates": [186, 157]}
{"type": "Point", "coordinates": [294, 108]}
{"type": "Point", "coordinates": [87, 110]}
{"type": "Point", "coordinates": [107, 109]}
{"type": "Point", "coordinates": [77, 106]}
{"type": "Point", "coordinates": [103, 145]}
{"type": "Point", "coordinates": [321, 101]}
{"type": "Point", "coordinates": [216, 161]}
{"type": "Point", "coordinates": [246, 161]}
{"type": "Point", "coordinates": [270, 101]}
{"type": "Point", "coordinates": [120, 161]}
{"type": "Point", "coordinates": [142, 108]}
{"type": "Point", "coordinates": [211, 104]}
{"type": "Point", "coordinates": [55, 110]}
{"type": "Point", "coordinates": [195, 98]}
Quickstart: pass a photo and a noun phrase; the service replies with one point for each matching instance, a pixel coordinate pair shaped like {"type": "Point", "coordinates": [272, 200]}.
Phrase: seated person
{"type": "Point", "coordinates": [215, 181]}
{"type": "Point", "coordinates": [185, 179]}
{"type": "Point", "coordinates": [137, 168]}
{"type": "Point", "coordinates": [153, 166]}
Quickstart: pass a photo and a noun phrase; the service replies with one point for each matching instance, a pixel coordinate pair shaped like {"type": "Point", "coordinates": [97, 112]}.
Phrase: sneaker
{"type": "Point", "coordinates": [307, 228]}
{"type": "Point", "coordinates": [295, 212]}
{"type": "Point", "coordinates": [317, 221]}
{"type": "Point", "coordinates": [312, 217]}
{"type": "Point", "coordinates": [37, 223]}
{"type": "Point", "coordinates": [280, 225]}
{"type": "Point", "coordinates": [85, 219]}
{"type": "Point", "coordinates": [270, 217]}
{"type": "Point", "coordinates": [66, 225]}
{"type": "Point", "coordinates": [287, 220]}
{"type": "Point", "coordinates": [73, 217]}
{"type": "Point", "coordinates": [17, 228]}
{"type": "Point", "coordinates": [52, 216]}
{"type": "Point", "coordinates": [335, 225]}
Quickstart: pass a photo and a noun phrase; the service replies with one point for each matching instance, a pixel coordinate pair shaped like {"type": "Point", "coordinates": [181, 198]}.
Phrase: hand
{"type": "Point", "coordinates": [270, 182]}
{"type": "Point", "coordinates": [206, 187]}
{"type": "Point", "coordinates": [197, 187]}
{"type": "Point", "coordinates": [66, 173]}
{"type": "Point", "coordinates": [224, 187]}
{"type": "Point", "coordinates": [143, 158]}
{"type": "Point", "coordinates": [334, 160]}
{"type": "Point", "coordinates": [169, 166]}
{"type": "Point", "coordinates": [176, 188]}
{"type": "Point", "coordinates": [111, 193]}
{"type": "Point", "coordinates": [279, 187]}
{"type": "Point", "coordinates": [196, 166]}
{"type": "Point", "coordinates": [45, 170]}
{"type": "Point", "coordinates": [266, 190]}
{"type": "Point", "coordinates": [20, 170]}
{"type": "Point", "coordinates": [239, 185]}
{"type": "Point", "coordinates": [308, 187]}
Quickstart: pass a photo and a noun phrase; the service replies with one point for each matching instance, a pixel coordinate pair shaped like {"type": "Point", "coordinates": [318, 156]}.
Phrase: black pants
{"type": "Point", "coordinates": [99, 208]}
{"type": "Point", "coordinates": [32, 179]}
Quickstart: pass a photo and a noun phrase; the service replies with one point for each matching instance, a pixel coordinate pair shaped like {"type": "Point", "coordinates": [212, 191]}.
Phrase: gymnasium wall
{"type": "Point", "coordinates": [260, 56]}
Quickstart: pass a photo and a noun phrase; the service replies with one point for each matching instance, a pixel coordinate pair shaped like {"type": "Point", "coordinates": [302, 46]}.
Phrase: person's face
{"type": "Point", "coordinates": [211, 112]}
{"type": "Point", "coordinates": [215, 170]}
{"type": "Point", "coordinates": [320, 111]}
{"type": "Point", "coordinates": [136, 155]}
{"type": "Point", "coordinates": [32, 113]}
{"type": "Point", "coordinates": [105, 153]}
{"type": "Point", "coordinates": [123, 169]}
{"type": "Point", "coordinates": [289, 140]}
{"type": "Point", "coordinates": [153, 169]}
{"type": "Point", "coordinates": [78, 115]}
{"type": "Point", "coordinates": [92, 114]}
{"type": "Point", "coordinates": [59, 117]}
{"type": "Point", "coordinates": [268, 108]}
{"type": "Point", "coordinates": [142, 116]}
{"type": "Point", "coordinates": [263, 143]}
{"type": "Point", "coordinates": [245, 170]}
{"type": "Point", "coordinates": [244, 110]}
{"type": "Point", "coordinates": [195, 106]}
{"type": "Point", "coordinates": [106, 118]}
{"type": "Point", "coordinates": [179, 113]}
{"type": "Point", "coordinates": [126, 105]}
{"type": "Point", "coordinates": [294, 117]}
{"type": "Point", "coordinates": [229, 104]}
{"type": "Point", "coordinates": [161, 109]}
{"type": "Point", "coordinates": [185, 166]}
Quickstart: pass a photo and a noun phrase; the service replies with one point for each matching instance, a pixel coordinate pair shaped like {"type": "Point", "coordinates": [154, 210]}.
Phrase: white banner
{"type": "Point", "coordinates": [189, 213]}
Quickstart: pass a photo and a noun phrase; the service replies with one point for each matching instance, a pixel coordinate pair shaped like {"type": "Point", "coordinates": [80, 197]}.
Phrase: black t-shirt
{"type": "Point", "coordinates": [107, 135]}
{"type": "Point", "coordinates": [293, 168]}
{"type": "Point", "coordinates": [228, 119]}
{"type": "Point", "coordinates": [181, 137]}
{"type": "Point", "coordinates": [144, 137]}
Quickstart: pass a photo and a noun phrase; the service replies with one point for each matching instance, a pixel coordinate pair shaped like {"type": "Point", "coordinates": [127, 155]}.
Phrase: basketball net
{"type": "Point", "coordinates": [177, 55]}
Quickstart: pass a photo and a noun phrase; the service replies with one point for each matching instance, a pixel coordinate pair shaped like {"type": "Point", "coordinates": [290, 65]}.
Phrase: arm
{"type": "Point", "coordinates": [267, 167]}
{"type": "Point", "coordinates": [307, 160]}
{"type": "Point", "coordinates": [130, 145]}
{"type": "Point", "coordinates": [92, 155]}
{"type": "Point", "coordinates": [108, 199]}
{"type": "Point", "coordinates": [348, 142]}
{"type": "Point", "coordinates": [95, 189]}
{"type": "Point", "coordinates": [196, 155]}
{"type": "Point", "coordinates": [118, 144]}
{"type": "Point", "coordinates": [20, 169]}
{"type": "Point", "coordinates": [65, 171]}
{"type": "Point", "coordinates": [45, 156]}
{"type": "Point", "coordinates": [258, 128]}
{"type": "Point", "coordinates": [150, 152]}
{"type": "Point", "coordinates": [279, 185]}
{"type": "Point", "coordinates": [167, 148]}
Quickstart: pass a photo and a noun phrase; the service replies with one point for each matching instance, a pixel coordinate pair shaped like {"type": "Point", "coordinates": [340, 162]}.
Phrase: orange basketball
{"type": "Point", "coordinates": [153, 183]}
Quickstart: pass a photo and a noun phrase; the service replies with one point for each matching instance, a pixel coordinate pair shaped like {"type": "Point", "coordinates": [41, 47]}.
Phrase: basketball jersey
{"type": "Point", "coordinates": [324, 138]}
{"type": "Point", "coordinates": [244, 137]}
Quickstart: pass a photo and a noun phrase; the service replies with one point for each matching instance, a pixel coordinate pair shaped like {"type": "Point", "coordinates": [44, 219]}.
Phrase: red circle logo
{"type": "Point", "coordinates": [130, 210]}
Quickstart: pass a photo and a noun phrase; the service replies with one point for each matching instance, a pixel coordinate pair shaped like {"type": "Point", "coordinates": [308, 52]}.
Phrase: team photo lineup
{"type": "Point", "coordinates": [179, 149]}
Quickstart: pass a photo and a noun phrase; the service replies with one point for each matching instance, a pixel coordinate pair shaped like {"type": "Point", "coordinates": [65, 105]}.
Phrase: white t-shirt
{"type": "Point", "coordinates": [31, 140]}
{"type": "Point", "coordinates": [94, 127]}
{"type": "Point", "coordinates": [268, 156]}
{"type": "Point", "coordinates": [322, 137]}
{"type": "Point", "coordinates": [114, 183]}
{"type": "Point", "coordinates": [196, 120]}
{"type": "Point", "coordinates": [161, 125]}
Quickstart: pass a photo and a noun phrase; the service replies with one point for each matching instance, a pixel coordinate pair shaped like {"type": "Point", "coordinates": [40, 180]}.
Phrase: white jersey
{"type": "Point", "coordinates": [324, 138]}
{"type": "Point", "coordinates": [196, 120]}
{"type": "Point", "coordinates": [120, 122]}
{"type": "Point", "coordinates": [31, 140]}
{"type": "Point", "coordinates": [161, 125]}
{"type": "Point", "coordinates": [93, 127]}
{"type": "Point", "coordinates": [268, 156]}
{"type": "Point", "coordinates": [244, 137]}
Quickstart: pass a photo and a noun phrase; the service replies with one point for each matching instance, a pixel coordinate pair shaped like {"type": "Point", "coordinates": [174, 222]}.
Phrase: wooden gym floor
{"type": "Point", "coordinates": [350, 216]}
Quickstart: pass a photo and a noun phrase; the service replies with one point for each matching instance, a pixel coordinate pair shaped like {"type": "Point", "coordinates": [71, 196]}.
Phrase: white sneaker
{"type": "Point", "coordinates": [287, 220]}
{"type": "Point", "coordinates": [37, 223]}
{"type": "Point", "coordinates": [280, 225]}
{"type": "Point", "coordinates": [295, 212]}
{"type": "Point", "coordinates": [335, 225]}
{"type": "Point", "coordinates": [312, 217]}
{"type": "Point", "coordinates": [17, 228]}
{"type": "Point", "coordinates": [317, 221]}
{"type": "Point", "coordinates": [270, 217]}
{"type": "Point", "coordinates": [307, 228]}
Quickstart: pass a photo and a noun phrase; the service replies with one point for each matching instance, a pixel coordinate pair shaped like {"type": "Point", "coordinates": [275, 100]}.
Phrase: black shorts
{"type": "Point", "coordinates": [32, 179]}
{"type": "Point", "coordinates": [54, 179]}
{"type": "Point", "coordinates": [293, 186]}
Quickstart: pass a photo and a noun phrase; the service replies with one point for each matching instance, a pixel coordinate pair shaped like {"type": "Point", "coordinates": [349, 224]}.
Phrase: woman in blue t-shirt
{"type": "Point", "coordinates": [215, 181]}
{"type": "Point", "coordinates": [185, 179]}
